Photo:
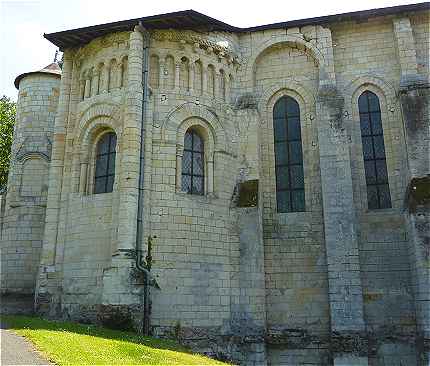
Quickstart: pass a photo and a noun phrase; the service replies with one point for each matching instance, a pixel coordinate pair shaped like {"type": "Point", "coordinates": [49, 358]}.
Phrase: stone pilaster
{"type": "Point", "coordinates": [118, 281]}
{"type": "Point", "coordinates": [57, 164]}
{"type": "Point", "coordinates": [348, 339]}
{"type": "Point", "coordinates": [406, 52]}
{"type": "Point", "coordinates": [129, 168]}
{"type": "Point", "coordinates": [414, 98]}
{"type": "Point", "coordinates": [47, 283]}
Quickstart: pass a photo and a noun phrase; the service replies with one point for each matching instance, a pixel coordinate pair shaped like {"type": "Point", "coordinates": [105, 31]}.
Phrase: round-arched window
{"type": "Point", "coordinates": [290, 183]}
{"type": "Point", "coordinates": [105, 164]}
{"type": "Point", "coordinates": [193, 163]}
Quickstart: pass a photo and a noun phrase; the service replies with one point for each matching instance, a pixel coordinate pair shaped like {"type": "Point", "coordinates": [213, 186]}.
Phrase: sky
{"type": "Point", "coordinates": [22, 23]}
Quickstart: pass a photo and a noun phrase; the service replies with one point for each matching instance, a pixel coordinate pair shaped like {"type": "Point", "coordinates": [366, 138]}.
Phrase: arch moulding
{"type": "Point", "coordinates": [191, 111]}
{"type": "Point", "coordinates": [98, 116]}
{"type": "Point", "coordinates": [289, 85]}
{"type": "Point", "coordinates": [279, 39]}
{"type": "Point", "coordinates": [383, 89]}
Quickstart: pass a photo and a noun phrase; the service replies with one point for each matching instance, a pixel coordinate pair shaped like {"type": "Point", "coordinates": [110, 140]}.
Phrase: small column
{"type": "Point", "coordinates": [179, 154]}
{"type": "Point", "coordinates": [227, 88]}
{"type": "Point", "coordinates": [217, 84]}
{"type": "Point", "coordinates": [191, 70]}
{"type": "Point", "coordinates": [120, 75]}
{"type": "Point", "coordinates": [204, 79]}
{"type": "Point", "coordinates": [88, 87]}
{"type": "Point", "coordinates": [81, 89]}
{"type": "Point", "coordinates": [83, 178]}
{"type": "Point", "coordinates": [210, 184]}
{"type": "Point", "coordinates": [177, 73]}
{"type": "Point", "coordinates": [105, 76]}
{"type": "Point", "coordinates": [162, 66]}
{"type": "Point", "coordinates": [95, 83]}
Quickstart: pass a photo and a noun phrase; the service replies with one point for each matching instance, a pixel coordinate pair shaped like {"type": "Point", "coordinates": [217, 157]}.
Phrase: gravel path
{"type": "Point", "coordinates": [16, 350]}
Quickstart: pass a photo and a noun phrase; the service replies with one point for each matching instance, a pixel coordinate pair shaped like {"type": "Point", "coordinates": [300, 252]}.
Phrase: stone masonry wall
{"type": "Point", "coordinates": [24, 209]}
{"type": "Point", "coordinates": [337, 284]}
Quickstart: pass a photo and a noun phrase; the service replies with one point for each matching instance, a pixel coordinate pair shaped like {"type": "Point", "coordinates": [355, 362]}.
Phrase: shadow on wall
{"type": "Point", "coordinates": [16, 304]}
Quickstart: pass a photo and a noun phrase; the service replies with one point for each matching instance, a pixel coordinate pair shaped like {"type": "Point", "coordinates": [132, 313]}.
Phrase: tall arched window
{"type": "Point", "coordinates": [290, 186]}
{"type": "Point", "coordinates": [105, 164]}
{"type": "Point", "coordinates": [193, 163]}
{"type": "Point", "coordinates": [375, 165]}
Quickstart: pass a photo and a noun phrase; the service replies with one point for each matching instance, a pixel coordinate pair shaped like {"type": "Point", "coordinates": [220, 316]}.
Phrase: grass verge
{"type": "Point", "coordinates": [66, 343]}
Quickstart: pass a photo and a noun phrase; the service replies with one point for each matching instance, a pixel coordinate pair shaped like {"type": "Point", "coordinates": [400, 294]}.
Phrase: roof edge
{"type": "Point", "coordinates": [63, 39]}
{"type": "Point", "coordinates": [45, 71]}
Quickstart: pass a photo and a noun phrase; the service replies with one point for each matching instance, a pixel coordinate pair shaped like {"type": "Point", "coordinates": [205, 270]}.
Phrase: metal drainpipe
{"type": "Point", "coordinates": [139, 228]}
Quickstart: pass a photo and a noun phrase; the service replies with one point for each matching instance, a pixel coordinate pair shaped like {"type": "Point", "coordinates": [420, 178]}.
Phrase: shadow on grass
{"type": "Point", "coordinates": [34, 323]}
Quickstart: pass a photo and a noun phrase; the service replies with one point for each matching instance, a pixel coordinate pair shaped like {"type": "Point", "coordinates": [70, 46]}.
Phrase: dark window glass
{"type": "Point", "coordinates": [280, 129]}
{"type": "Point", "coordinates": [290, 187]}
{"type": "Point", "coordinates": [105, 164]}
{"type": "Point", "coordinates": [375, 164]}
{"type": "Point", "coordinates": [281, 153]}
{"type": "Point", "coordinates": [193, 164]}
{"type": "Point", "coordinates": [298, 203]}
{"type": "Point", "coordinates": [294, 132]}
{"type": "Point", "coordinates": [282, 178]}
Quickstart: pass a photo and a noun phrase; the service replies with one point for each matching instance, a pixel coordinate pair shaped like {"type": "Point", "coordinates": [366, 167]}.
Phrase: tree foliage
{"type": "Point", "coordinates": [7, 121]}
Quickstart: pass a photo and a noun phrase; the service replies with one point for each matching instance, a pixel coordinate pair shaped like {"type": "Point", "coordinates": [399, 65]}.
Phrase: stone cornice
{"type": "Point", "coordinates": [197, 42]}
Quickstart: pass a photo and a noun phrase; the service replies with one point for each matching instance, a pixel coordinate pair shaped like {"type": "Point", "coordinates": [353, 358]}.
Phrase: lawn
{"type": "Point", "coordinates": [67, 343]}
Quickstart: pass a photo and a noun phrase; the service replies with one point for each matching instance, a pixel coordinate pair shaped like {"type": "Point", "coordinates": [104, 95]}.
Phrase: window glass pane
{"type": "Point", "coordinates": [384, 196]}
{"type": "Point", "coordinates": [378, 143]}
{"type": "Point", "coordinates": [197, 143]}
{"type": "Point", "coordinates": [288, 156]}
{"type": "Point", "coordinates": [372, 197]}
{"type": "Point", "coordinates": [375, 165]}
{"type": "Point", "coordinates": [186, 162]}
{"type": "Point", "coordinates": [362, 103]}
{"type": "Point", "coordinates": [197, 164]}
{"type": "Point", "coordinates": [369, 167]}
{"type": "Point", "coordinates": [367, 148]}
{"type": "Point", "coordinates": [198, 185]}
{"type": "Point", "coordinates": [298, 200]}
{"type": "Point", "coordinates": [376, 123]}
{"type": "Point", "coordinates": [280, 129]}
{"type": "Point", "coordinates": [186, 183]}
{"type": "Point", "coordinates": [282, 180]}
{"type": "Point", "coordinates": [292, 107]}
{"type": "Point", "coordinates": [188, 141]}
{"type": "Point", "coordinates": [296, 155]}
{"type": "Point", "coordinates": [373, 102]}
{"type": "Point", "coordinates": [296, 176]}
{"type": "Point", "coordinates": [103, 145]}
{"type": "Point", "coordinates": [365, 124]}
{"type": "Point", "coordinates": [100, 185]}
{"type": "Point", "coordinates": [112, 147]}
{"type": "Point", "coordinates": [294, 132]}
{"type": "Point", "coordinates": [283, 201]}
{"type": "Point", "coordinates": [381, 171]}
{"type": "Point", "coordinates": [193, 164]}
{"type": "Point", "coordinates": [111, 169]}
{"type": "Point", "coordinates": [281, 153]}
{"type": "Point", "coordinates": [101, 165]}
{"type": "Point", "coordinates": [109, 184]}
{"type": "Point", "coordinates": [279, 110]}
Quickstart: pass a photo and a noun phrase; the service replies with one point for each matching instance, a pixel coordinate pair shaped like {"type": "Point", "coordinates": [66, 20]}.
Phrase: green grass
{"type": "Point", "coordinates": [66, 343]}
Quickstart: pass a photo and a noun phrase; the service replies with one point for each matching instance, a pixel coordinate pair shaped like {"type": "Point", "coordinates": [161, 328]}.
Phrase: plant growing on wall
{"type": "Point", "coordinates": [7, 121]}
